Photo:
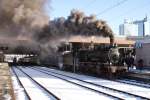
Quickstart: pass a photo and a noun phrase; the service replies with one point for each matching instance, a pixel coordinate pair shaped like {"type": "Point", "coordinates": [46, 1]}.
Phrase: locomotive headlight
{"type": "Point", "coordinates": [114, 55]}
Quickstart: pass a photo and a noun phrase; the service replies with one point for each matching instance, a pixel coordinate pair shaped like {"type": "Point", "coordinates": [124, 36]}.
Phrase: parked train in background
{"type": "Point", "coordinates": [29, 60]}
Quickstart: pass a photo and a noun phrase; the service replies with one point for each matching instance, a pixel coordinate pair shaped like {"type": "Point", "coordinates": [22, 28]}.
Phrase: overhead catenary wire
{"type": "Point", "coordinates": [111, 7]}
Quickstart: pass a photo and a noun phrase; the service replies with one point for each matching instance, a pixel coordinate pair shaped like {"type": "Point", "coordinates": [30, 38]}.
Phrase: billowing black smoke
{"type": "Point", "coordinates": [77, 23]}
{"type": "Point", "coordinates": [20, 18]}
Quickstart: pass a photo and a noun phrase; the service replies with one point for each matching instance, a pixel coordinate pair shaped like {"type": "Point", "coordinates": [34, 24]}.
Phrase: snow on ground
{"type": "Point", "coordinates": [18, 90]}
{"type": "Point", "coordinates": [34, 91]}
{"type": "Point", "coordinates": [112, 84]}
{"type": "Point", "coordinates": [104, 90]}
{"type": "Point", "coordinates": [63, 89]}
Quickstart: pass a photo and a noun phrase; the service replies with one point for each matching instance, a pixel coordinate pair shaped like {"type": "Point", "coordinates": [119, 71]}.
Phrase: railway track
{"type": "Point", "coordinates": [138, 77]}
{"type": "Point", "coordinates": [20, 83]}
{"type": "Point", "coordinates": [124, 94]}
{"type": "Point", "coordinates": [134, 82]}
{"type": "Point", "coordinates": [46, 92]}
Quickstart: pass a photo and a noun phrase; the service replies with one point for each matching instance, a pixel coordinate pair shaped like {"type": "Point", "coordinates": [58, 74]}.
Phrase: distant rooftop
{"type": "Point", "coordinates": [102, 40]}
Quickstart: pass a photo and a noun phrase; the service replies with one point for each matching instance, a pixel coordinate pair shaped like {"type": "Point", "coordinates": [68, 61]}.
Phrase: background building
{"type": "Point", "coordinates": [135, 28]}
{"type": "Point", "coordinates": [142, 50]}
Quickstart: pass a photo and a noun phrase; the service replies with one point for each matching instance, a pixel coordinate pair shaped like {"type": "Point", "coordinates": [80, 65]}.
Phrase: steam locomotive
{"type": "Point", "coordinates": [102, 59]}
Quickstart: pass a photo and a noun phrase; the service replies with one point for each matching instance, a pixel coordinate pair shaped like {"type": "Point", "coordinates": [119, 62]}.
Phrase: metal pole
{"type": "Point", "coordinates": [74, 65]}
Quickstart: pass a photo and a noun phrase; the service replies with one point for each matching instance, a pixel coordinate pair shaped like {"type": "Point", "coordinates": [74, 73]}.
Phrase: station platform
{"type": "Point", "coordinates": [6, 88]}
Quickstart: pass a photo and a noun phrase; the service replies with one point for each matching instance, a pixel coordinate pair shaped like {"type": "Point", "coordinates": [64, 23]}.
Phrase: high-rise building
{"type": "Point", "coordinates": [135, 28]}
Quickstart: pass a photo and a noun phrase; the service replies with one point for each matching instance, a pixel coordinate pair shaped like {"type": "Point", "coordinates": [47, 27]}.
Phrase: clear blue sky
{"type": "Point", "coordinates": [130, 9]}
